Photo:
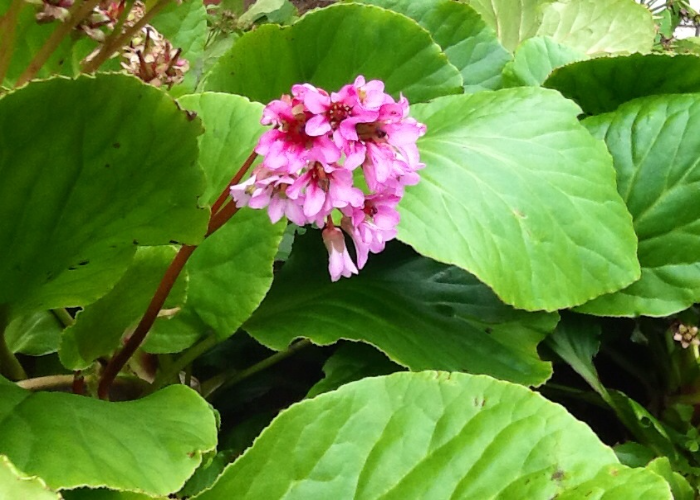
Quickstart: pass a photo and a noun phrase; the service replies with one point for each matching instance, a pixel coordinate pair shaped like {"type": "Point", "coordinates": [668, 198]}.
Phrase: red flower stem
{"type": "Point", "coordinates": [120, 359]}
{"type": "Point", "coordinates": [235, 180]}
{"type": "Point", "coordinates": [217, 219]}
{"type": "Point", "coordinates": [222, 217]}
{"type": "Point", "coordinates": [79, 11]}
{"type": "Point", "coordinates": [8, 24]}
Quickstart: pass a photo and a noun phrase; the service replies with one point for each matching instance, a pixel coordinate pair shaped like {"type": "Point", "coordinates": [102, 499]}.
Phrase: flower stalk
{"type": "Point", "coordinates": [8, 25]}
{"type": "Point", "coordinates": [77, 13]}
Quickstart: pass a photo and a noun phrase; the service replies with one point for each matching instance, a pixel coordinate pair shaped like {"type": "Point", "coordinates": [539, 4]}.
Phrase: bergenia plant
{"type": "Point", "coordinates": [320, 144]}
{"type": "Point", "coordinates": [520, 248]}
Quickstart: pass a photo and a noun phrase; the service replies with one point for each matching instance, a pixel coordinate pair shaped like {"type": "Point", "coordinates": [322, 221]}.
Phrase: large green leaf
{"type": "Point", "coordinates": [517, 192]}
{"type": "Point", "coordinates": [655, 147]}
{"type": "Point", "coordinates": [91, 168]}
{"type": "Point", "coordinates": [535, 59]}
{"type": "Point", "coordinates": [151, 445]}
{"type": "Point", "coordinates": [422, 314]}
{"type": "Point", "coordinates": [14, 485]}
{"type": "Point", "coordinates": [513, 20]}
{"type": "Point", "coordinates": [428, 435]}
{"type": "Point", "coordinates": [329, 48]}
{"type": "Point", "coordinates": [595, 27]}
{"type": "Point", "coordinates": [100, 326]}
{"type": "Point", "coordinates": [231, 271]}
{"type": "Point", "coordinates": [601, 85]}
{"type": "Point", "coordinates": [590, 26]}
{"type": "Point", "coordinates": [469, 44]}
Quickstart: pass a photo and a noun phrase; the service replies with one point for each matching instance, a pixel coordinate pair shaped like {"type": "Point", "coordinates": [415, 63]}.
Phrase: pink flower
{"type": "Point", "coordinates": [311, 160]}
{"type": "Point", "coordinates": [339, 261]}
{"type": "Point", "coordinates": [371, 226]}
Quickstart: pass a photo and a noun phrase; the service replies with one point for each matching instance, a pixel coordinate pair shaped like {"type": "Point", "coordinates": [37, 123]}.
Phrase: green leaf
{"type": "Point", "coordinates": [681, 489]}
{"type": "Point", "coordinates": [16, 485]}
{"type": "Point", "coordinates": [351, 362]}
{"type": "Point", "coordinates": [151, 445]}
{"type": "Point", "coordinates": [517, 192]}
{"type": "Point", "coordinates": [116, 168]}
{"type": "Point", "coordinates": [513, 20]}
{"type": "Point", "coordinates": [426, 435]}
{"type": "Point", "coordinates": [265, 8]}
{"type": "Point", "coordinates": [601, 85]}
{"type": "Point", "coordinates": [469, 44]}
{"type": "Point", "coordinates": [329, 48]}
{"type": "Point", "coordinates": [422, 314]}
{"type": "Point", "coordinates": [535, 59]}
{"type": "Point", "coordinates": [231, 131]}
{"type": "Point", "coordinates": [231, 271]}
{"type": "Point", "coordinates": [594, 27]}
{"type": "Point", "coordinates": [185, 26]}
{"type": "Point", "coordinates": [617, 482]}
{"type": "Point", "coordinates": [176, 333]}
{"type": "Point", "coordinates": [633, 454]}
{"type": "Point", "coordinates": [577, 340]}
{"type": "Point", "coordinates": [655, 152]}
{"type": "Point", "coordinates": [99, 328]}
{"type": "Point", "coordinates": [35, 334]}
{"type": "Point", "coordinates": [589, 26]}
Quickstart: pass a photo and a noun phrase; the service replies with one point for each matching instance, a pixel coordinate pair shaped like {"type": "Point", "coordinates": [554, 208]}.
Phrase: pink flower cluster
{"type": "Point", "coordinates": [322, 145]}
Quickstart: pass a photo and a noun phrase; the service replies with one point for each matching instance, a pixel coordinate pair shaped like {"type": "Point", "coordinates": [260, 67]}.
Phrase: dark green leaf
{"type": "Point", "coordinates": [421, 313]}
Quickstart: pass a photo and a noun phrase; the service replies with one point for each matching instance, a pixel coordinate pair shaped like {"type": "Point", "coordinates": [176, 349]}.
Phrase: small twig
{"type": "Point", "coordinates": [231, 377]}
{"type": "Point", "coordinates": [77, 13]}
{"type": "Point", "coordinates": [8, 25]}
{"type": "Point", "coordinates": [107, 50]}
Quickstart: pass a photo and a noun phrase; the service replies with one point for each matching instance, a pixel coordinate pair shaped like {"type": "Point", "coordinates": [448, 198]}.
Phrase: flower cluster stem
{"type": "Point", "coordinates": [118, 362]}
{"type": "Point", "coordinates": [218, 218]}
{"type": "Point", "coordinates": [8, 25]}
{"type": "Point", "coordinates": [78, 12]}
{"type": "Point", "coordinates": [120, 40]}
{"type": "Point", "coordinates": [225, 195]}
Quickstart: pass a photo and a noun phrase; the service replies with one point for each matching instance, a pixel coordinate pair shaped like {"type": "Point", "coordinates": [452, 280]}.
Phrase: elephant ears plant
{"type": "Point", "coordinates": [377, 250]}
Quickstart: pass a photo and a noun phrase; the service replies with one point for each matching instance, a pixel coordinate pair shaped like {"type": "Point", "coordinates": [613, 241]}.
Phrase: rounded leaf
{"type": "Point", "coordinates": [422, 314]}
{"type": "Point", "coordinates": [151, 445]}
{"type": "Point", "coordinates": [424, 435]}
{"type": "Point", "coordinates": [91, 168]}
{"type": "Point", "coordinates": [469, 44]}
{"type": "Point", "coordinates": [655, 148]}
{"type": "Point", "coordinates": [518, 193]}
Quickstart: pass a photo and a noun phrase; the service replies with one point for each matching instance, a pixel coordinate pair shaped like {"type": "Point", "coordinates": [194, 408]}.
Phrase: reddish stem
{"type": "Point", "coordinates": [225, 194]}
{"type": "Point", "coordinates": [219, 217]}
{"type": "Point", "coordinates": [78, 386]}
{"type": "Point", "coordinates": [120, 359]}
